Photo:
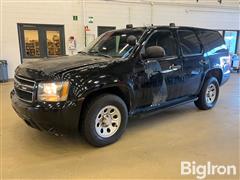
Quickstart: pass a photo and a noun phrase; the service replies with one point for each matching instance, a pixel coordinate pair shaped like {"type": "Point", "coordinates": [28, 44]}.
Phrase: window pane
{"type": "Point", "coordinates": [164, 39]}
{"type": "Point", "coordinates": [53, 43]}
{"type": "Point", "coordinates": [212, 41]}
{"type": "Point", "coordinates": [31, 43]}
{"type": "Point", "coordinates": [221, 32]}
{"type": "Point", "coordinates": [114, 44]}
{"type": "Point", "coordinates": [189, 42]}
{"type": "Point", "coordinates": [230, 38]}
{"type": "Point", "coordinates": [238, 46]}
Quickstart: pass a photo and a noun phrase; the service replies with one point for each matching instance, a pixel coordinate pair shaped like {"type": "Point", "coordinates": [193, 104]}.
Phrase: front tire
{"type": "Point", "coordinates": [105, 120]}
{"type": "Point", "coordinates": [208, 95]}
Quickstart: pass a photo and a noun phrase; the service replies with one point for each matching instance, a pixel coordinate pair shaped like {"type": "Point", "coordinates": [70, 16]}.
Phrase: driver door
{"type": "Point", "coordinates": [162, 77]}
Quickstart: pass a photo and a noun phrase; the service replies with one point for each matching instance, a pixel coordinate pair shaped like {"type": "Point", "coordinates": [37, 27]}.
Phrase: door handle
{"type": "Point", "coordinates": [203, 61]}
{"type": "Point", "coordinates": [172, 68]}
{"type": "Point", "coordinates": [175, 67]}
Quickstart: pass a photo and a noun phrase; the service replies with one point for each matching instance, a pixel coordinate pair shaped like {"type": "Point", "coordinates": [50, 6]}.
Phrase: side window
{"type": "Point", "coordinates": [189, 43]}
{"type": "Point", "coordinates": [212, 41]}
{"type": "Point", "coordinates": [115, 44]}
{"type": "Point", "coordinates": [166, 40]}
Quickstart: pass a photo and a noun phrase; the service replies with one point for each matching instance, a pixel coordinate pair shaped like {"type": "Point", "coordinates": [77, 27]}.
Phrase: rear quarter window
{"type": "Point", "coordinates": [212, 41]}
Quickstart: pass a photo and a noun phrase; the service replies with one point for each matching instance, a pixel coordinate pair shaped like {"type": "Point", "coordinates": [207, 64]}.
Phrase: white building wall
{"type": "Point", "coordinates": [206, 13]}
{"type": "Point", "coordinates": [36, 13]}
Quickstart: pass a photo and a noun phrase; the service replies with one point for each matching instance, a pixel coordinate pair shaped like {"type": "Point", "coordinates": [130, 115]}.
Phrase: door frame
{"type": "Point", "coordinates": [192, 58]}
{"type": "Point", "coordinates": [41, 28]}
{"type": "Point", "coordinates": [177, 57]}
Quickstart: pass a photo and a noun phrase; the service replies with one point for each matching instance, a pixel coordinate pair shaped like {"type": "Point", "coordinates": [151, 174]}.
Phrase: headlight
{"type": "Point", "coordinates": [53, 91]}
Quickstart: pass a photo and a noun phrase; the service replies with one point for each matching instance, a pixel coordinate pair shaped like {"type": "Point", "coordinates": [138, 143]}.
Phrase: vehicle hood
{"type": "Point", "coordinates": [38, 68]}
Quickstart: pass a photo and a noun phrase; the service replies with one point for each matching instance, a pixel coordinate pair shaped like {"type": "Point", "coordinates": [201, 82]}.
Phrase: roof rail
{"type": "Point", "coordinates": [129, 26]}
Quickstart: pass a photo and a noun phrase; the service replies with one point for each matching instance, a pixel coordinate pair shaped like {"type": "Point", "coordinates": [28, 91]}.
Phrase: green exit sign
{"type": "Point", "coordinates": [75, 18]}
{"type": "Point", "coordinates": [90, 19]}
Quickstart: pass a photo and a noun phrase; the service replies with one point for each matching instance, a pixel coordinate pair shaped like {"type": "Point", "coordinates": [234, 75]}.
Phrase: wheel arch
{"type": "Point", "coordinates": [121, 91]}
{"type": "Point", "coordinates": [216, 72]}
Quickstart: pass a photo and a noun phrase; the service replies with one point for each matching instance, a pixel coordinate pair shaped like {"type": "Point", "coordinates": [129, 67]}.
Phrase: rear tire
{"type": "Point", "coordinates": [208, 95]}
{"type": "Point", "coordinates": [105, 120]}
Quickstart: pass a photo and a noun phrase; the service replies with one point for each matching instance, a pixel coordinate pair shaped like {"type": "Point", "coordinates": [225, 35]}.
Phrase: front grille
{"type": "Point", "coordinates": [24, 88]}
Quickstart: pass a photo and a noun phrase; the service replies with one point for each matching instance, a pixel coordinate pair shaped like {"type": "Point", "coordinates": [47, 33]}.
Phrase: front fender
{"type": "Point", "coordinates": [83, 87]}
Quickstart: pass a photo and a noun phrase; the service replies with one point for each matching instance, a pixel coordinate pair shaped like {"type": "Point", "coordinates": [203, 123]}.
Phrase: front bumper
{"type": "Point", "coordinates": [55, 118]}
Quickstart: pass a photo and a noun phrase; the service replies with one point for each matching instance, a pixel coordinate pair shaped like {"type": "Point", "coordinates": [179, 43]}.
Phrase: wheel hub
{"type": "Point", "coordinates": [211, 93]}
{"type": "Point", "coordinates": [108, 121]}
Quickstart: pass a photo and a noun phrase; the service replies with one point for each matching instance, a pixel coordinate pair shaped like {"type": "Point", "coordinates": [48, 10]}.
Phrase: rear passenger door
{"type": "Point", "coordinates": [193, 61]}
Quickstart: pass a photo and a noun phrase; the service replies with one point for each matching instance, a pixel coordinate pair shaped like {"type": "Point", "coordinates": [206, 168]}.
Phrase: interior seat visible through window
{"type": "Point", "coordinates": [164, 39]}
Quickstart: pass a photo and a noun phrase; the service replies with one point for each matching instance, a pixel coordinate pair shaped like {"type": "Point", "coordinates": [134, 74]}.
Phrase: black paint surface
{"type": "Point", "coordinates": [144, 84]}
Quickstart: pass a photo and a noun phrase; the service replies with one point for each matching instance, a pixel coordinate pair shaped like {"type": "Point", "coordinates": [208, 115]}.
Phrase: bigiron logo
{"type": "Point", "coordinates": [201, 171]}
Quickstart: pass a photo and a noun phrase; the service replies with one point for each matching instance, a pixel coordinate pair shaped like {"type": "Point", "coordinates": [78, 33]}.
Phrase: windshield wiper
{"type": "Point", "coordinates": [100, 54]}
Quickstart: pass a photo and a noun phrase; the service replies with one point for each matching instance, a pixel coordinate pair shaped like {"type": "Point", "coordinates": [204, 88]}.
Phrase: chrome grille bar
{"type": "Point", "coordinates": [24, 88]}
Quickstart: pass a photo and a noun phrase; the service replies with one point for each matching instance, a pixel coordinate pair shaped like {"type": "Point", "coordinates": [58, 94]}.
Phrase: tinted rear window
{"type": "Point", "coordinates": [212, 41]}
{"type": "Point", "coordinates": [189, 43]}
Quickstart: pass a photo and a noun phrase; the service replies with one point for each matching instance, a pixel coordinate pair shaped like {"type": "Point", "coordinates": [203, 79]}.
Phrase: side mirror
{"type": "Point", "coordinates": [154, 52]}
{"type": "Point", "coordinates": [132, 40]}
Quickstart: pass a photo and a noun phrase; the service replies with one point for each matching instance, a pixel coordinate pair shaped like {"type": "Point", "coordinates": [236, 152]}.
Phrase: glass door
{"type": "Point", "coordinates": [31, 43]}
{"type": "Point", "coordinates": [40, 41]}
{"type": "Point", "coordinates": [53, 43]}
{"type": "Point", "coordinates": [230, 38]}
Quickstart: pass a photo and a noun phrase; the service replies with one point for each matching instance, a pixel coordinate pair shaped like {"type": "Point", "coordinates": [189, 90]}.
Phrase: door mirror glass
{"type": "Point", "coordinates": [132, 40]}
{"type": "Point", "coordinates": [154, 52]}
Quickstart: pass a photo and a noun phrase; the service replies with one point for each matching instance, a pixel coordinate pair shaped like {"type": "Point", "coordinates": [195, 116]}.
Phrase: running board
{"type": "Point", "coordinates": [156, 109]}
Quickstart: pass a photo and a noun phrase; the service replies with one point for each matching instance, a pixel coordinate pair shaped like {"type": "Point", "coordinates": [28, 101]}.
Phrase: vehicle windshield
{"type": "Point", "coordinates": [113, 44]}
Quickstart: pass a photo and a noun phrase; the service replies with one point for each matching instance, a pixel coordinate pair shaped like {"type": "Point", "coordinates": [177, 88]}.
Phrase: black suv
{"type": "Point", "coordinates": [121, 74]}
